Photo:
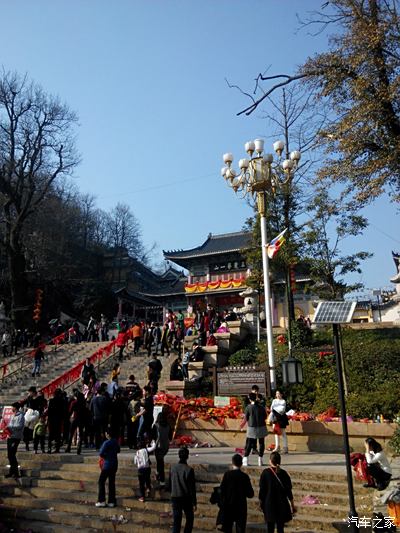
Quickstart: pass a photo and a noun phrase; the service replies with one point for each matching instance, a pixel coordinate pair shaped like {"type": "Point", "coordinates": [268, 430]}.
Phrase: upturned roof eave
{"type": "Point", "coordinates": [172, 257]}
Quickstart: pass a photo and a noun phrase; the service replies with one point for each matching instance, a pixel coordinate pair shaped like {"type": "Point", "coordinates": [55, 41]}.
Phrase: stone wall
{"type": "Point", "coordinates": [303, 436]}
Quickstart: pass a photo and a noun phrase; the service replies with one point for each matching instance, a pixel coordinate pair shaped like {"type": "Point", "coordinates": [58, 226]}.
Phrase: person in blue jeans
{"type": "Point", "coordinates": [109, 465]}
{"type": "Point", "coordinates": [38, 356]}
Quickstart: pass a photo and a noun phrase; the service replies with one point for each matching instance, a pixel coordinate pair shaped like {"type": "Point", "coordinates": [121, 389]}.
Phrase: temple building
{"type": "Point", "coordinates": [217, 273]}
{"type": "Point", "coordinates": [217, 270]}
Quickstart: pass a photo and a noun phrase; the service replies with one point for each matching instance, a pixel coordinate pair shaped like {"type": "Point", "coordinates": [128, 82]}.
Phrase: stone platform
{"type": "Point", "coordinates": [311, 436]}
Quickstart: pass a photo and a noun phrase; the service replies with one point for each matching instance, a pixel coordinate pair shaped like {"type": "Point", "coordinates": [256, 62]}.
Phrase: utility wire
{"type": "Point", "coordinates": [384, 233]}
{"type": "Point", "coordinates": [161, 186]}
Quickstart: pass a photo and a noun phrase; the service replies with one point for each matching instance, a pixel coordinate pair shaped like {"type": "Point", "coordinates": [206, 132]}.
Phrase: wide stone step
{"type": "Point", "coordinates": [61, 501]}
{"type": "Point", "coordinates": [100, 519]}
{"type": "Point", "coordinates": [127, 498]}
{"type": "Point", "coordinates": [76, 471]}
{"type": "Point", "coordinates": [47, 527]}
{"type": "Point", "coordinates": [36, 526]}
{"type": "Point", "coordinates": [90, 519]}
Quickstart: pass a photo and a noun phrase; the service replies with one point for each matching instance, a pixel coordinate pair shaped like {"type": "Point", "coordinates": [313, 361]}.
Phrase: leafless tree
{"type": "Point", "coordinates": [36, 148]}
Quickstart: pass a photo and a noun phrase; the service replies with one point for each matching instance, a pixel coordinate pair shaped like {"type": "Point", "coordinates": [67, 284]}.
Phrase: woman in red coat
{"type": "Point", "coordinates": [121, 343]}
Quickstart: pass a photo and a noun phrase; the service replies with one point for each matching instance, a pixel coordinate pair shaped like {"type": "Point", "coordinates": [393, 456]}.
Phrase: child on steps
{"type": "Point", "coordinates": [39, 434]}
{"type": "Point", "coordinates": [143, 463]}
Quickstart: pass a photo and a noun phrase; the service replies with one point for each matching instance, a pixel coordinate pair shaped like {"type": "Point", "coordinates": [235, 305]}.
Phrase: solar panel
{"type": "Point", "coordinates": [334, 312]}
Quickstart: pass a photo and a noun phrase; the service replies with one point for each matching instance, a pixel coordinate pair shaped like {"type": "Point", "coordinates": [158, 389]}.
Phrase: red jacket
{"type": "Point", "coordinates": [121, 339]}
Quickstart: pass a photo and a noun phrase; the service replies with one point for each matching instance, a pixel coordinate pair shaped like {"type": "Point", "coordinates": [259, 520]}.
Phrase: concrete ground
{"type": "Point", "coordinates": [332, 462]}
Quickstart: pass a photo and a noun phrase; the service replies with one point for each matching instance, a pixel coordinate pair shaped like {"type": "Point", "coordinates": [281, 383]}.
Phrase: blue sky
{"type": "Point", "coordinates": [147, 80]}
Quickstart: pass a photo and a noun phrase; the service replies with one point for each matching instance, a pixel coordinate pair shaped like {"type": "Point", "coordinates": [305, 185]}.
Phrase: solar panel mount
{"type": "Point", "coordinates": [334, 312]}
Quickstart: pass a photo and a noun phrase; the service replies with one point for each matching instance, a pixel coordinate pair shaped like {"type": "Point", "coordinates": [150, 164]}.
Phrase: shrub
{"type": "Point", "coordinates": [394, 442]}
{"type": "Point", "coordinates": [301, 335]}
{"type": "Point", "coordinates": [243, 357]}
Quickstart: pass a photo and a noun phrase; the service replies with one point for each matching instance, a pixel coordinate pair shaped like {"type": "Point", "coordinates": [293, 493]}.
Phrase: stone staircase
{"type": "Point", "coordinates": [57, 494]}
{"type": "Point", "coordinates": [55, 363]}
{"type": "Point", "coordinates": [214, 356]}
{"type": "Point", "coordinates": [137, 365]}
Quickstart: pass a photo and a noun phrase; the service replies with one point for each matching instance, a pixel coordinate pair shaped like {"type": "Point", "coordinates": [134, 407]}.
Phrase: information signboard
{"type": "Point", "coordinates": [237, 382]}
{"type": "Point", "coordinates": [222, 401]}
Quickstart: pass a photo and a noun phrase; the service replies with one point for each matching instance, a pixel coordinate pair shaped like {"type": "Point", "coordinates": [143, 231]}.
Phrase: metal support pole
{"type": "Point", "coordinates": [261, 199]}
{"type": "Point", "coordinates": [339, 369]}
{"type": "Point", "coordinates": [379, 308]}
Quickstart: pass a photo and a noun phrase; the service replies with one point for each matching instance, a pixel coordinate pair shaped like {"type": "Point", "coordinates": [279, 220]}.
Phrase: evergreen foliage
{"type": "Point", "coordinates": [371, 360]}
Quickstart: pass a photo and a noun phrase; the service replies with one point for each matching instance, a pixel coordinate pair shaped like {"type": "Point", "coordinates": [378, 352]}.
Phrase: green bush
{"type": "Point", "coordinates": [301, 335]}
{"type": "Point", "coordinates": [394, 442]}
{"type": "Point", "coordinates": [243, 357]}
{"type": "Point", "coordinates": [372, 370]}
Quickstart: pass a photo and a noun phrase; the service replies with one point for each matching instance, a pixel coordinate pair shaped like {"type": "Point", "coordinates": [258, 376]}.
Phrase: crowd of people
{"type": "Point", "coordinates": [93, 417]}
{"type": "Point", "coordinates": [14, 340]}
{"type": "Point", "coordinates": [107, 415]}
{"type": "Point", "coordinates": [81, 418]}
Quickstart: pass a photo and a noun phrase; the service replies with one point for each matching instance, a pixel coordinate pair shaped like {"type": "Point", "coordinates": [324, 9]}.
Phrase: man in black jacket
{"type": "Point", "coordinates": [183, 492]}
{"type": "Point", "coordinates": [100, 408]}
{"type": "Point", "coordinates": [235, 489]}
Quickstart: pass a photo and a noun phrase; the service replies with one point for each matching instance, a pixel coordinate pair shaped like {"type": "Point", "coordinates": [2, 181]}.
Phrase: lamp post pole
{"type": "Point", "coordinates": [257, 178]}
{"type": "Point", "coordinates": [261, 204]}
{"type": "Point", "coordinates": [339, 369]}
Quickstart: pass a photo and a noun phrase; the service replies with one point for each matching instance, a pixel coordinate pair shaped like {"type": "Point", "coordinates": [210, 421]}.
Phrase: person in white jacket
{"type": "Point", "coordinates": [16, 429]}
{"type": "Point", "coordinates": [278, 416]}
{"type": "Point", "coordinates": [142, 461]}
{"type": "Point", "coordinates": [378, 464]}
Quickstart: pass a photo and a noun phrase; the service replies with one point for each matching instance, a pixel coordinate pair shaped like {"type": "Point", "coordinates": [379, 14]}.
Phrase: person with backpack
{"type": "Point", "coordinates": [143, 463]}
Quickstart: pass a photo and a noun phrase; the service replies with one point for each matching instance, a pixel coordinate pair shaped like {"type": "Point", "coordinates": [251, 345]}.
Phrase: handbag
{"type": "Point", "coordinates": [215, 498]}
{"type": "Point", "coordinates": [284, 490]}
{"type": "Point", "coordinates": [276, 429]}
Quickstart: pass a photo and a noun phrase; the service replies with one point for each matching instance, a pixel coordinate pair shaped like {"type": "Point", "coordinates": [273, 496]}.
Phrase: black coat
{"type": "Point", "coordinates": [274, 498]}
{"type": "Point", "coordinates": [235, 489]}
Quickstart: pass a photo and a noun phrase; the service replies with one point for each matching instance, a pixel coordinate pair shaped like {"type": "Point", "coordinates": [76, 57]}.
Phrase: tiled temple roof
{"type": "Point", "coordinates": [215, 244]}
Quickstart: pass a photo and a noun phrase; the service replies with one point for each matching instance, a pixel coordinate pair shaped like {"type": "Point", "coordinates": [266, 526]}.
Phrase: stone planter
{"type": "Point", "coordinates": [303, 436]}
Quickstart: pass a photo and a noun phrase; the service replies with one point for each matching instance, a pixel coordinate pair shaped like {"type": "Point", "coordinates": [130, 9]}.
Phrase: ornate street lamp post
{"type": "Point", "coordinates": [258, 176]}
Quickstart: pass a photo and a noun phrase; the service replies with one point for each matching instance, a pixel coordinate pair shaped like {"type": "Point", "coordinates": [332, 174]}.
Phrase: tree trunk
{"type": "Point", "coordinates": [18, 284]}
